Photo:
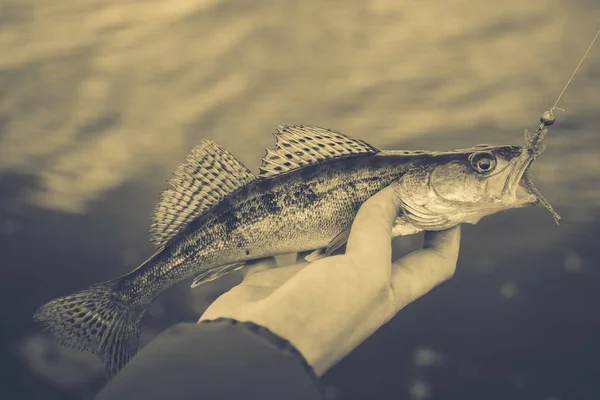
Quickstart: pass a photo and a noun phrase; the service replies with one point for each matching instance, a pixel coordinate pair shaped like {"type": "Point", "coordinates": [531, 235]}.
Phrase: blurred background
{"type": "Point", "coordinates": [101, 100]}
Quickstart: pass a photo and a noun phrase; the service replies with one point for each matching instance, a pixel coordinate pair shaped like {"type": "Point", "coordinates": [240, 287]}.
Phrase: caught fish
{"type": "Point", "coordinates": [219, 215]}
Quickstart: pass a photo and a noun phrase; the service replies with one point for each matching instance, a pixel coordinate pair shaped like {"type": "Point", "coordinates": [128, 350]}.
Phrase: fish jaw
{"type": "Point", "coordinates": [442, 196]}
{"type": "Point", "coordinates": [524, 198]}
{"type": "Point", "coordinates": [515, 192]}
{"type": "Point", "coordinates": [514, 196]}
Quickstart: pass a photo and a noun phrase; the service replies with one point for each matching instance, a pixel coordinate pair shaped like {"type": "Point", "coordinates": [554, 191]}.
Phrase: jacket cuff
{"type": "Point", "coordinates": [281, 343]}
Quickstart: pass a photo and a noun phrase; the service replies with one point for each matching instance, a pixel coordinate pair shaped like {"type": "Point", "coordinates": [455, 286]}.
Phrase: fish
{"type": "Point", "coordinates": [218, 216]}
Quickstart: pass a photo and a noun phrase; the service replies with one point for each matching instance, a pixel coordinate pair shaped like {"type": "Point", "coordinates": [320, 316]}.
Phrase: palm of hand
{"type": "Point", "coordinates": [328, 307]}
{"type": "Point", "coordinates": [261, 279]}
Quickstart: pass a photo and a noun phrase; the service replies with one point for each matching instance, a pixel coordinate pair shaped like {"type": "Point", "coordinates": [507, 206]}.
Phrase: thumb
{"type": "Point", "coordinates": [371, 233]}
{"type": "Point", "coordinates": [260, 264]}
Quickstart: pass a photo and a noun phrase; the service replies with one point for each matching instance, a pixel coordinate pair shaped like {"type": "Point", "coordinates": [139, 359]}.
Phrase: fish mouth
{"type": "Point", "coordinates": [519, 189]}
{"type": "Point", "coordinates": [523, 192]}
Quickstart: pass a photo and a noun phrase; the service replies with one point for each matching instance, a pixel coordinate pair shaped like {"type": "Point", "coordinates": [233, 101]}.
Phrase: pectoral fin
{"type": "Point", "coordinates": [424, 219]}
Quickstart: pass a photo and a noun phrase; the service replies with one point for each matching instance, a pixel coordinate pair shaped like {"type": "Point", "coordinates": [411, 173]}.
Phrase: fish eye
{"type": "Point", "coordinates": [483, 162]}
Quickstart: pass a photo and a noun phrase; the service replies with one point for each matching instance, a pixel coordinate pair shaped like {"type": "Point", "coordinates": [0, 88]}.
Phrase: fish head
{"type": "Point", "coordinates": [486, 179]}
{"type": "Point", "coordinates": [465, 185]}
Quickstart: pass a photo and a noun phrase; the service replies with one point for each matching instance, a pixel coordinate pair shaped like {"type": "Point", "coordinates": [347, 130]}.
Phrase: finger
{"type": "Point", "coordinates": [420, 271]}
{"type": "Point", "coordinates": [257, 265]}
{"type": "Point", "coordinates": [370, 236]}
{"type": "Point", "coordinates": [273, 277]}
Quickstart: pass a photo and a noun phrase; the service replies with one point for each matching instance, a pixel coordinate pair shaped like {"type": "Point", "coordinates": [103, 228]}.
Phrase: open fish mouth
{"type": "Point", "coordinates": [519, 184]}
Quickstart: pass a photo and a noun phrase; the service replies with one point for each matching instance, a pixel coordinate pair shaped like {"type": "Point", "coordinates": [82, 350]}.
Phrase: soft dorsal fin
{"type": "Point", "coordinates": [210, 174]}
{"type": "Point", "coordinates": [301, 145]}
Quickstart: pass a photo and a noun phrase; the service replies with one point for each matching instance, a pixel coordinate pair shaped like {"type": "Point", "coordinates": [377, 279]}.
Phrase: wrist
{"type": "Point", "coordinates": [320, 338]}
{"type": "Point", "coordinates": [283, 344]}
{"type": "Point", "coordinates": [309, 348]}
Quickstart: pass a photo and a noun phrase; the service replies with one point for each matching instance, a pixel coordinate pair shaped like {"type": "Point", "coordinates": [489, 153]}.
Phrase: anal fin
{"type": "Point", "coordinates": [338, 241]}
{"type": "Point", "coordinates": [215, 273]}
{"type": "Point", "coordinates": [315, 255]}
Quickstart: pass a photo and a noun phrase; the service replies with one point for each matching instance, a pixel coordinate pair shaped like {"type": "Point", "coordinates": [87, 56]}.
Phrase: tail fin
{"type": "Point", "coordinates": [97, 320]}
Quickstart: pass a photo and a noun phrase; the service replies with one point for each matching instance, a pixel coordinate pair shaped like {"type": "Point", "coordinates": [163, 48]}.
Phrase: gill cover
{"type": "Point", "coordinates": [415, 196]}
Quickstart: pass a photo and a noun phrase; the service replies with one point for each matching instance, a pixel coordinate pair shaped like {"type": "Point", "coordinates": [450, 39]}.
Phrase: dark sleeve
{"type": "Point", "coordinates": [221, 359]}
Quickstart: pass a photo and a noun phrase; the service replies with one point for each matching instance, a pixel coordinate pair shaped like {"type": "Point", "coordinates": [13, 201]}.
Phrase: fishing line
{"type": "Point", "coordinates": [548, 118]}
{"type": "Point", "coordinates": [574, 72]}
{"type": "Point", "coordinates": [534, 142]}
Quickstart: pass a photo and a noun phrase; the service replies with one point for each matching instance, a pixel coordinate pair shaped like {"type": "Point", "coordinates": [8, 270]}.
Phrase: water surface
{"type": "Point", "coordinates": [101, 100]}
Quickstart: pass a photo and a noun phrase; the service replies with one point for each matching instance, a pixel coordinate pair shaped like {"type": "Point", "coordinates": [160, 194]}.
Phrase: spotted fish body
{"type": "Point", "coordinates": [281, 214]}
{"type": "Point", "coordinates": [219, 215]}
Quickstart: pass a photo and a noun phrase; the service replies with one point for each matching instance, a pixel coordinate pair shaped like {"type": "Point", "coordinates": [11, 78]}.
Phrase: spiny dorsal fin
{"type": "Point", "coordinates": [301, 145]}
{"type": "Point", "coordinates": [210, 174]}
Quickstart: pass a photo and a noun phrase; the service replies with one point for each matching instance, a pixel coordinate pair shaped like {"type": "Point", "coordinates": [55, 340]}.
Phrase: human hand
{"type": "Point", "coordinates": [328, 307]}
